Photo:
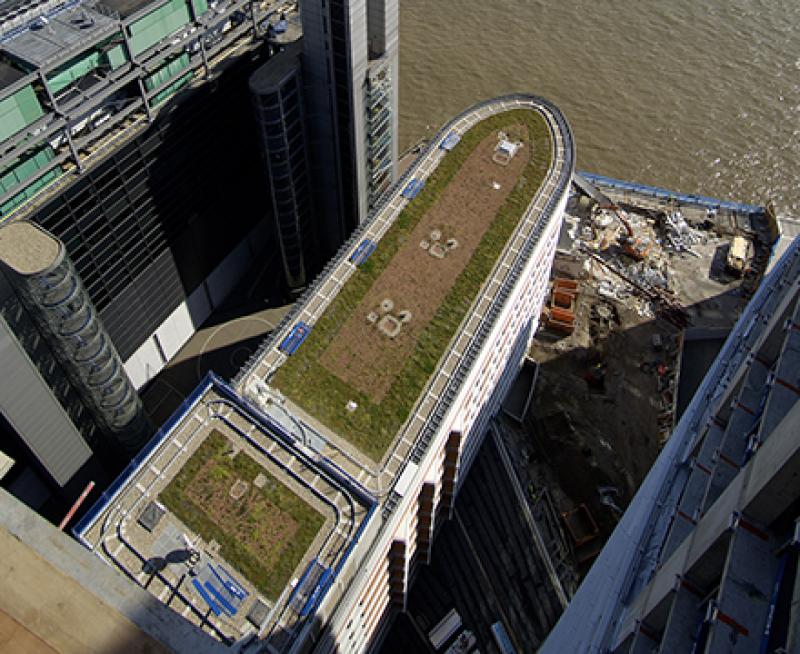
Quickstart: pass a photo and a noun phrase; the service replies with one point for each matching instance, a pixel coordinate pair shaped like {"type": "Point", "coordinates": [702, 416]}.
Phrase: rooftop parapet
{"type": "Point", "coordinates": [222, 494]}
{"type": "Point", "coordinates": [341, 382]}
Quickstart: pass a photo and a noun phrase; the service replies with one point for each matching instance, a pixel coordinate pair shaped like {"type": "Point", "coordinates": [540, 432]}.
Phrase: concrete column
{"type": "Point", "coordinates": [398, 574]}
{"type": "Point", "coordinates": [452, 455]}
{"type": "Point", "coordinates": [425, 521]}
{"type": "Point", "coordinates": [684, 618]}
{"type": "Point", "coordinates": [745, 590]}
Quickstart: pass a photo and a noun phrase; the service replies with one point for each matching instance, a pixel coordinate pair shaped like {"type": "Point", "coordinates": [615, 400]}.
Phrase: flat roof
{"type": "Point", "coordinates": [68, 32]}
{"type": "Point", "coordinates": [379, 329]}
{"type": "Point", "coordinates": [227, 442]}
{"type": "Point", "coordinates": [277, 69]}
{"type": "Point", "coordinates": [26, 248]}
{"type": "Point", "coordinates": [221, 492]}
{"type": "Point", "coordinates": [127, 8]}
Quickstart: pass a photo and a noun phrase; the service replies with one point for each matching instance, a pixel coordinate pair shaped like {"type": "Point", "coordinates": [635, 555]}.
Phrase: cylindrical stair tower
{"type": "Point", "coordinates": [48, 285]}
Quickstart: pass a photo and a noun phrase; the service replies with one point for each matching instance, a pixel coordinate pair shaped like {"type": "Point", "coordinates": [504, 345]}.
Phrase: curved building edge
{"type": "Point", "coordinates": [375, 580]}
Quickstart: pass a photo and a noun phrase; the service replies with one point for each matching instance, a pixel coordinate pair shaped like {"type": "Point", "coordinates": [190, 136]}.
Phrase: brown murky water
{"type": "Point", "coordinates": [701, 97]}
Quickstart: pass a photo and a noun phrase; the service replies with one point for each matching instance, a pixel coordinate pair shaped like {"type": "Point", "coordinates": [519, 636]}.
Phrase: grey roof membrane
{"type": "Point", "coordinates": [66, 33]}
{"type": "Point", "coordinates": [126, 8]}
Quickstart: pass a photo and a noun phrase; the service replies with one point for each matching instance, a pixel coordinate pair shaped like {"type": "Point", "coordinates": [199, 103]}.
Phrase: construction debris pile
{"type": "Point", "coordinates": [680, 237]}
{"type": "Point", "coordinates": [632, 277]}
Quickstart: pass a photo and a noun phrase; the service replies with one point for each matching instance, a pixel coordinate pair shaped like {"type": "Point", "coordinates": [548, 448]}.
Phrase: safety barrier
{"type": "Point", "coordinates": [671, 196]}
{"type": "Point", "coordinates": [110, 494]}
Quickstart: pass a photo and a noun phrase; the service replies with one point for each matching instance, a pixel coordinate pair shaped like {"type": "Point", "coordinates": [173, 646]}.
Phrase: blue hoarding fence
{"type": "Point", "coordinates": [295, 338]}
{"type": "Point", "coordinates": [664, 194]}
{"type": "Point", "coordinates": [413, 188]}
{"type": "Point", "coordinates": [363, 252]}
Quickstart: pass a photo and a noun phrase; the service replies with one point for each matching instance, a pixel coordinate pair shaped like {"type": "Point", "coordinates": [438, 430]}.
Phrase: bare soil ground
{"type": "Point", "coordinates": [415, 281]}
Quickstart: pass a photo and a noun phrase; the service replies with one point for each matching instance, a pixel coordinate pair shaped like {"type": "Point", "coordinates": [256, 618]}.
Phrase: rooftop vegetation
{"type": "Point", "coordinates": [373, 426]}
{"type": "Point", "coordinates": [264, 533]}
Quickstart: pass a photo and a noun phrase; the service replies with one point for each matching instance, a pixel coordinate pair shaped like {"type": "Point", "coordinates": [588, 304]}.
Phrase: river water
{"type": "Point", "coordinates": [701, 97]}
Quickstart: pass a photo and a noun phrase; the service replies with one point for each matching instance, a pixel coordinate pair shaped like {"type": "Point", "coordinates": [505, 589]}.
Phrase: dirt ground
{"type": "Point", "coordinates": [417, 282]}
{"type": "Point", "coordinates": [596, 408]}
{"type": "Point", "coordinates": [606, 393]}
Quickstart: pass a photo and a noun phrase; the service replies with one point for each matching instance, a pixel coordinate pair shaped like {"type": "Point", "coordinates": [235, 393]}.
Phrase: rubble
{"type": "Point", "coordinates": [640, 277]}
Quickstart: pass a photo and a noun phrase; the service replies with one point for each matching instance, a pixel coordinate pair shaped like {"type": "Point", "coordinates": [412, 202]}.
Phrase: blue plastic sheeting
{"type": "Point", "coordinates": [363, 252]}
{"type": "Point", "coordinates": [295, 338]}
{"type": "Point", "coordinates": [206, 597]}
{"type": "Point", "coordinates": [413, 188]}
{"type": "Point", "coordinates": [229, 608]}
{"type": "Point", "coordinates": [450, 141]}
{"type": "Point", "coordinates": [280, 27]}
{"type": "Point", "coordinates": [664, 194]}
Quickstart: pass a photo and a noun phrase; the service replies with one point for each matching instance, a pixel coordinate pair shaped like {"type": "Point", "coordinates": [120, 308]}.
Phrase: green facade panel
{"type": "Point", "coordinates": [170, 90]}
{"type": "Point", "coordinates": [200, 7]}
{"type": "Point", "coordinates": [18, 173]}
{"type": "Point", "coordinates": [150, 29]}
{"type": "Point", "coordinates": [73, 70]}
{"type": "Point", "coordinates": [19, 110]}
{"type": "Point", "coordinates": [103, 54]}
{"type": "Point", "coordinates": [166, 72]}
{"type": "Point", "coordinates": [115, 57]}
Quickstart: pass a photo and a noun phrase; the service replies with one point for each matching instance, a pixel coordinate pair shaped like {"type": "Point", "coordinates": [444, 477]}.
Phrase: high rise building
{"type": "Point", "coordinates": [350, 67]}
{"type": "Point", "coordinates": [326, 106]}
{"type": "Point", "coordinates": [279, 104]}
{"type": "Point", "coordinates": [304, 495]}
{"type": "Point", "coordinates": [705, 559]}
{"type": "Point", "coordinates": [127, 133]}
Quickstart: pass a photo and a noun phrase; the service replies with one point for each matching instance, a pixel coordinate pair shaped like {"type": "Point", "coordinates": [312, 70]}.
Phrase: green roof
{"type": "Point", "coordinates": [320, 377]}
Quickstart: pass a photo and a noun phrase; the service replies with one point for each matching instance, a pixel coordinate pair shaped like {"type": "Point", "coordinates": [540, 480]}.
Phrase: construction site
{"type": "Point", "coordinates": [645, 286]}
